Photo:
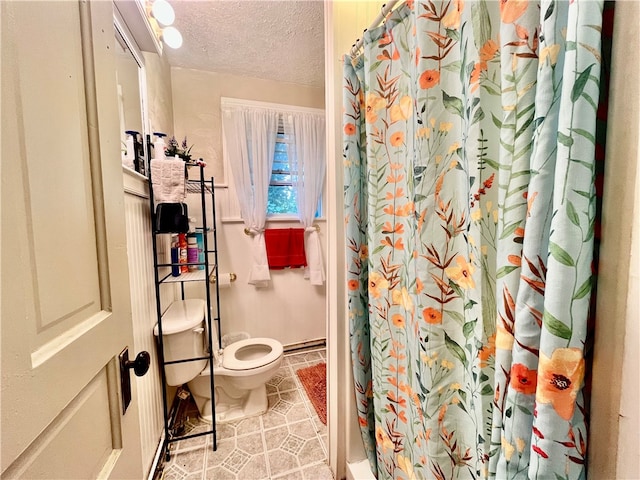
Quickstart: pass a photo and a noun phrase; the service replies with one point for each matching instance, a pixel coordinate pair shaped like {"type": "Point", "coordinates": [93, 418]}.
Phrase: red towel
{"type": "Point", "coordinates": [297, 255]}
{"type": "Point", "coordinates": [277, 242]}
{"type": "Point", "coordinates": [285, 248]}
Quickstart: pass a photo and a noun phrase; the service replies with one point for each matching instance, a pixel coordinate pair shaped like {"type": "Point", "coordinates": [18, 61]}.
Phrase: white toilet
{"type": "Point", "coordinates": [240, 371]}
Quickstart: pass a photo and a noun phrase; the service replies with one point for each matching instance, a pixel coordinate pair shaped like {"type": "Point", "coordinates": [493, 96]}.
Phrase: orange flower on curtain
{"type": "Point", "coordinates": [512, 10]}
{"type": "Point", "coordinates": [462, 273]}
{"type": "Point", "coordinates": [377, 283]}
{"type": "Point", "coordinates": [429, 79]}
{"type": "Point", "coordinates": [432, 316]}
{"type": "Point", "coordinates": [560, 378]}
{"type": "Point", "coordinates": [523, 379]}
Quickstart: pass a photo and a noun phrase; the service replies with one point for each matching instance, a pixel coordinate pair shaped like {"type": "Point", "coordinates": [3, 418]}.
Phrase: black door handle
{"type": "Point", "coordinates": [141, 364]}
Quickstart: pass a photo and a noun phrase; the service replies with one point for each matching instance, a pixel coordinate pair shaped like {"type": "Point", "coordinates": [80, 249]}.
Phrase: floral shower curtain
{"type": "Point", "coordinates": [469, 137]}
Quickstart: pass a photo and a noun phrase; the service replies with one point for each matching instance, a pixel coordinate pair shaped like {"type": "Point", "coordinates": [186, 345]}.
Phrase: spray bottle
{"type": "Point", "coordinates": [182, 245]}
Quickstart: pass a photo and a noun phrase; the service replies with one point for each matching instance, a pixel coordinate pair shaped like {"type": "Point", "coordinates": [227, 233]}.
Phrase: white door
{"type": "Point", "coordinates": [65, 290]}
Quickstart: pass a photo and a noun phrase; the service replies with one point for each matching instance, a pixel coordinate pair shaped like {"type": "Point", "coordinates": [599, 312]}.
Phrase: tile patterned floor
{"type": "Point", "coordinates": [289, 442]}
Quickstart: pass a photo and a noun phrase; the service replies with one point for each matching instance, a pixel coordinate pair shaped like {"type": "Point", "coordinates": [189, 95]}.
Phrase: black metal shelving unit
{"type": "Point", "coordinates": [202, 187]}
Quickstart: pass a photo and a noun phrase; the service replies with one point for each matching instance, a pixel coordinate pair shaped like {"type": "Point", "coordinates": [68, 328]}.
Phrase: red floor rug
{"type": "Point", "coordinates": [314, 381]}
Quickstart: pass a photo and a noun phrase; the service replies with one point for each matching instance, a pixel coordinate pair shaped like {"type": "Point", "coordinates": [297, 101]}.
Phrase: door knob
{"type": "Point", "coordinates": [140, 366]}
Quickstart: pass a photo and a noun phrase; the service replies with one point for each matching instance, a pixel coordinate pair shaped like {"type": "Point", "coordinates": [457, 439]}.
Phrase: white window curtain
{"type": "Point", "coordinates": [307, 160]}
{"type": "Point", "coordinates": [250, 142]}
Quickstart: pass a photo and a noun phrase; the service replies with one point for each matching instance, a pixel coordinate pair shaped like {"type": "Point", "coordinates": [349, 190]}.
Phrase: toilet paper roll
{"type": "Point", "coordinates": [224, 280]}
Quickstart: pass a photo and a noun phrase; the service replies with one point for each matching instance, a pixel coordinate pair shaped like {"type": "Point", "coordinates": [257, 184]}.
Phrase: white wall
{"type": "Point", "coordinates": [159, 92]}
{"type": "Point", "coordinates": [629, 428]}
{"type": "Point", "coordinates": [290, 309]}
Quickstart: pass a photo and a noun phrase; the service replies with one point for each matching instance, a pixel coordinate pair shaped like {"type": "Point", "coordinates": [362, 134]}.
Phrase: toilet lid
{"type": "Point", "coordinates": [181, 316]}
{"type": "Point", "coordinates": [251, 353]}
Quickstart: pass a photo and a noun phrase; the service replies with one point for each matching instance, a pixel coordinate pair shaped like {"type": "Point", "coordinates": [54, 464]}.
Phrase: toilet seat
{"type": "Point", "coordinates": [261, 352]}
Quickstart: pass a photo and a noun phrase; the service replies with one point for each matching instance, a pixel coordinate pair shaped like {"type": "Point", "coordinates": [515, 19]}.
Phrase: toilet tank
{"type": "Point", "coordinates": [184, 337]}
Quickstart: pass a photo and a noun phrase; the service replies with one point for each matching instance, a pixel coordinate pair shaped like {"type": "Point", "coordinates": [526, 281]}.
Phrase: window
{"type": "Point", "coordinates": [282, 197]}
{"type": "Point", "coordinates": [283, 187]}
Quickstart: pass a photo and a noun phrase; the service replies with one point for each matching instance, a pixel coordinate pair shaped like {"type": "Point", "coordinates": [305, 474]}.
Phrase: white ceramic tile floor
{"type": "Point", "coordinates": [289, 442]}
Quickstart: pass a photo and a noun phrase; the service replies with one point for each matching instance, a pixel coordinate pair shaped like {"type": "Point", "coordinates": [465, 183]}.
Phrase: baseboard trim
{"type": "Point", "coordinates": [306, 345]}
{"type": "Point", "coordinates": [155, 472]}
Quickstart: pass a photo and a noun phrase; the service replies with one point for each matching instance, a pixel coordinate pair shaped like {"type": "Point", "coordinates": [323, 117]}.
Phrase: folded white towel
{"type": "Point", "coordinates": [168, 180]}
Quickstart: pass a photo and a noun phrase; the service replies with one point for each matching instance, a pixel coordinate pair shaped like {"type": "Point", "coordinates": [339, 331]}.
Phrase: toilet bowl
{"type": "Point", "coordinates": [240, 371]}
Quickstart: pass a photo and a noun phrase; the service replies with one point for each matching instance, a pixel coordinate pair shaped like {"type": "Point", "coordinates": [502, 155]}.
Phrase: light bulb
{"type": "Point", "coordinates": [163, 12]}
{"type": "Point", "coordinates": [172, 37]}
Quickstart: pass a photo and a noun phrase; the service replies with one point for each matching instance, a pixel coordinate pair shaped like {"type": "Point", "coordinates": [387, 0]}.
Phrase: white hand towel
{"type": "Point", "coordinates": [168, 180]}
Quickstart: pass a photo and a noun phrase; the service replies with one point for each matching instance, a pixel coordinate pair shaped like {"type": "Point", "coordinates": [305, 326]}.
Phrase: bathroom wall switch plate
{"type": "Point", "coordinates": [125, 379]}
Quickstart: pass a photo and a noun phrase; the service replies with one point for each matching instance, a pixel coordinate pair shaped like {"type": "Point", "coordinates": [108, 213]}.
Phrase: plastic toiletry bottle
{"type": "Point", "coordinates": [200, 240]}
{"type": "Point", "coordinates": [192, 251]}
{"type": "Point", "coordinates": [137, 151]}
{"type": "Point", "coordinates": [159, 146]}
{"type": "Point", "coordinates": [182, 245]}
{"type": "Point", "coordinates": [129, 155]}
{"type": "Point", "coordinates": [175, 256]}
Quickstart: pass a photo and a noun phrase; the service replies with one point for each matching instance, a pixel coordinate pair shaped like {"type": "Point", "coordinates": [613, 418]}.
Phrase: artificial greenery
{"type": "Point", "coordinates": [182, 151]}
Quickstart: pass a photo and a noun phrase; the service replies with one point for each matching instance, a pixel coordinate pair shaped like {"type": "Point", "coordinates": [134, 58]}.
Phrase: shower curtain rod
{"type": "Point", "coordinates": [384, 11]}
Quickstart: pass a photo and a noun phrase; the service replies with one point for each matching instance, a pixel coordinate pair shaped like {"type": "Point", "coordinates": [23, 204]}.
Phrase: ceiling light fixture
{"type": "Point", "coordinates": [163, 12]}
{"type": "Point", "coordinates": [172, 37]}
{"type": "Point", "coordinates": [160, 16]}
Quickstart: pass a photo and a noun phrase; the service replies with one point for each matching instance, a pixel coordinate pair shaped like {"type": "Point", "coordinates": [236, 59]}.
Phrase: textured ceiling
{"type": "Point", "coordinates": [273, 40]}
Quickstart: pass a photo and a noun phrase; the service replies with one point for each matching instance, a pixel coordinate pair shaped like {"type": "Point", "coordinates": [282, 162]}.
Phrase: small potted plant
{"type": "Point", "coordinates": [180, 150]}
